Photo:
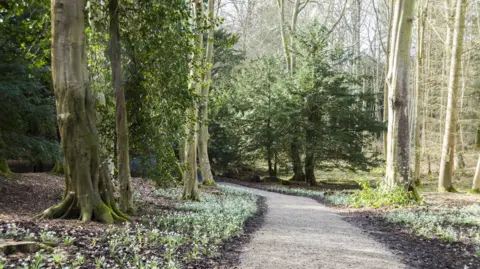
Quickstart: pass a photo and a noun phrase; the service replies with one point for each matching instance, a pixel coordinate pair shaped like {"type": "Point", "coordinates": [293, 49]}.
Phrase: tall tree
{"type": "Point", "coordinates": [398, 135]}
{"type": "Point", "coordinates": [448, 149]}
{"type": "Point", "coordinates": [123, 160]}
{"type": "Point", "coordinates": [203, 136]}
{"type": "Point", "coordinates": [419, 92]}
{"type": "Point", "coordinates": [88, 194]}
{"type": "Point", "coordinates": [190, 187]}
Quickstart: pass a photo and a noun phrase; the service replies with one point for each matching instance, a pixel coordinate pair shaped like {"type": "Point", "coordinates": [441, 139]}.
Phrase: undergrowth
{"type": "Point", "coordinates": [450, 225]}
{"type": "Point", "coordinates": [380, 196]}
{"type": "Point", "coordinates": [173, 239]}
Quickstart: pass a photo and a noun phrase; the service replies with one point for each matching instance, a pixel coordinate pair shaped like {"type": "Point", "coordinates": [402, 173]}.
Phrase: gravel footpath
{"type": "Point", "coordinates": [301, 233]}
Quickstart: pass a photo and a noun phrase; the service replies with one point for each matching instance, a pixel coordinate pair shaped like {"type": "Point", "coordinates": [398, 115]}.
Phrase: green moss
{"type": "Point", "coordinates": [447, 189]}
{"type": "Point", "coordinates": [209, 182]}
{"type": "Point", "coordinates": [475, 191]}
{"type": "Point", "coordinates": [58, 168]}
{"type": "Point", "coordinates": [4, 169]}
{"type": "Point", "coordinates": [284, 182]}
{"type": "Point", "coordinates": [103, 213]}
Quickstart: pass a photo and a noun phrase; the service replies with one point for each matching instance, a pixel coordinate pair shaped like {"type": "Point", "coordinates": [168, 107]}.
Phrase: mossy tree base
{"type": "Point", "coordinates": [58, 168]}
{"type": "Point", "coordinates": [209, 182]}
{"type": "Point", "coordinates": [4, 169]}
{"type": "Point", "coordinates": [447, 189]}
{"type": "Point", "coordinates": [475, 191]}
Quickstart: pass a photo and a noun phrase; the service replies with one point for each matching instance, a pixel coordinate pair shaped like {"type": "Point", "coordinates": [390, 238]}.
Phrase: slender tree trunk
{"type": "Point", "coordinates": [398, 136]}
{"type": "Point", "coordinates": [123, 161]}
{"type": "Point", "coordinates": [386, 88]}
{"type": "Point", "coordinates": [283, 32]}
{"type": "Point", "coordinates": [89, 195]}
{"type": "Point", "coordinates": [448, 150]}
{"type": "Point", "coordinates": [422, 13]}
{"type": "Point", "coordinates": [205, 168]}
{"type": "Point", "coordinates": [476, 179]}
{"type": "Point", "coordinates": [190, 181]}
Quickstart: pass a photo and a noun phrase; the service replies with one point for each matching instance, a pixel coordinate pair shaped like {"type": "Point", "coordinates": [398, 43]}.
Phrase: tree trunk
{"type": "Point", "coordinates": [4, 169]}
{"type": "Point", "coordinates": [89, 195]}
{"type": "Point", "coordinates": [190, 181]}
{"type": "Point", "coordinates": [385, 88]}
{"type": "Point", "coordinates": [310, 166]}
{"type": "Point", "coordinates": [476, 179]}
{"type": "Point", "coordinates": [205, 168]}
{"type": "Point", "coordinates": [283, 32]}
{"type": "Point", "coordinates": [422, 13]}
{"type": "Point", "coordinates": [448, 149]}
{"type": "Point", "coordinates": [123, 161]}
{"type": "Point", "coordinates": [398, 136]}
{"type": "Point", "coordinates": [298, 174]}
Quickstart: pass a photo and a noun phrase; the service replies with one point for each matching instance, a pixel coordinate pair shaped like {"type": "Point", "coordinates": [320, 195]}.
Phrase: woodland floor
{"type": "Point", "coordinates": [411, 250]}
{"type": "Point", "coordinates": [25, 195]}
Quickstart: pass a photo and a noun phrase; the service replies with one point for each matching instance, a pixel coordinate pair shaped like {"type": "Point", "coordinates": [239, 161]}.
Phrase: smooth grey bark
{"type": "Point", "coordinates": [398, 135]}
{"type": "Point", "coordinates": [203, 136]}
{"type": "Point", "coordinates": [448, 150]}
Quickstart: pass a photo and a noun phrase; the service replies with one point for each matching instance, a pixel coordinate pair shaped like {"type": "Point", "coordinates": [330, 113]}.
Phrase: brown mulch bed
{"type": "Point", "coordinates": [25, 195]}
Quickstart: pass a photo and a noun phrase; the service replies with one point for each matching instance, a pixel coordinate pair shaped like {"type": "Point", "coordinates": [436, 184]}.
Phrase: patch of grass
{"type": "Point", "coordinates": [449, 225]}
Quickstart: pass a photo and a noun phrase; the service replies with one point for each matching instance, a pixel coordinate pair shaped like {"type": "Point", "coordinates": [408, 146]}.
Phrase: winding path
{"type": "Point", "coordinates": [301, 233]}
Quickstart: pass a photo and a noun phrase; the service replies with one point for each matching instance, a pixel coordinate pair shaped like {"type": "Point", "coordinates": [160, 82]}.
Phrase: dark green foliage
{"type": "Point", "coordinates": [27, 105]}
{"type": "Point", "coordinates": [321, 106]}
{"type": "Point", "coordinates": [156, 38]}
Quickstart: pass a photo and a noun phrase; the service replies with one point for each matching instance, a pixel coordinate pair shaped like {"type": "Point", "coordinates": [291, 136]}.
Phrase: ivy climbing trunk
{"type": "Point", "coordinates": [398, 135]}
{"type": "Point", "coordinates": [88, 194]}
{"type": "Point", "coordinates": [205, 168]}
{"type": "Point", "coordinates": [190, 182]}
{"type": "Point", "coordinates": [123, 160]}
{"type": "Point", "coordinates": [448, 150]}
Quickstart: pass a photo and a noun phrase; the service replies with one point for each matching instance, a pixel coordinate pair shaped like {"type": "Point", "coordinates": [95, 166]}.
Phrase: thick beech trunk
{"type": "Point", "coordinates": [123, 160]}
{"type": "Point", "coordinates": [205, 168]}
{"type": "Point", "coordinates": [448, 150]}
{"type": "Point", "coordinates": [398, 135]}
{"type": "Point", "coordinates": [88, 194]}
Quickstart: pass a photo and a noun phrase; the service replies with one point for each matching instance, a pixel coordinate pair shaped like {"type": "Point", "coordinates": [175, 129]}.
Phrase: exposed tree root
{"type": "Point", "coordinates": [69, 208]}
{"type": "Point", "coordinates": [58, 168]}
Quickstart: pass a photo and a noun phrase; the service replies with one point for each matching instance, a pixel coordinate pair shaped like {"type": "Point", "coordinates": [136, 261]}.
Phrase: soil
{"type": "Point", "coordinates": [25, 195]}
